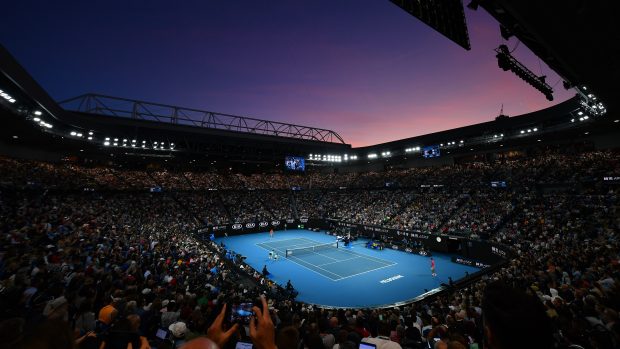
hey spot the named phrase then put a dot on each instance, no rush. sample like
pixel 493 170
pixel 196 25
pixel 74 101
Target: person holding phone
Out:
pixel 262 331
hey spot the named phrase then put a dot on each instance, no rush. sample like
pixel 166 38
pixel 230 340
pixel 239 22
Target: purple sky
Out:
pixel 363 68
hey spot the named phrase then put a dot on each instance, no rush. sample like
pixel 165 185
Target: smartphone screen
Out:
pixel 243 345
pixel 161 333
pixel 241 312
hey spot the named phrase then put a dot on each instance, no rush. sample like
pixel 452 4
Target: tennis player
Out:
pixel 433 267
pixel 271 233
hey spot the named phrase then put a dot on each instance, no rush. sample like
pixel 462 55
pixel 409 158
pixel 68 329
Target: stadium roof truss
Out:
pixel 134 109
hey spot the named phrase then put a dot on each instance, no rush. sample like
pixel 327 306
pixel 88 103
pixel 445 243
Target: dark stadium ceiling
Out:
pixel 578 39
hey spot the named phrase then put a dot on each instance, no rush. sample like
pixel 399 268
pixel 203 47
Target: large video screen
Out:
pixel 294 163
pixel 431 151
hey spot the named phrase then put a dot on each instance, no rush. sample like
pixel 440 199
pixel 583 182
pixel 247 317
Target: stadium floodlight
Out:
pixel 73 133
pixel 461 141
pixel 115 144
pixel 441 145
pixel 90 133
pixel 12 100
pixel 580 113
pixel 36 119
pixel 506 62
pixel 115 139
pixel 372 156
pixel 79 134
pixel 535 129
pixel 107 138
pixel 106 143
pixel 155 143
pixel 529 130
pixel 572 120
pixel 522 132
pixel 124 139
pixel 501 135
pixel 586 117
pixel 38 113
pixel 90 138
pixel 143 142
pixel 133 141
pixel 172 144
pixel 581 119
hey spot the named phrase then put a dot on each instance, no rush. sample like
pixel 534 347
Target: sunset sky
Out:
pixel 363 68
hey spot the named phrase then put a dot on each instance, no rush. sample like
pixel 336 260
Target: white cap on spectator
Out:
pixel 53 305
pixel 178 329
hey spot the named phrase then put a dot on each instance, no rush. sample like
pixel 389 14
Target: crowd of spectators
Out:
pixel 107 268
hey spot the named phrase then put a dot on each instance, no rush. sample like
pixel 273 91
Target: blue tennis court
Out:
pixel 333 263
pixel 354 276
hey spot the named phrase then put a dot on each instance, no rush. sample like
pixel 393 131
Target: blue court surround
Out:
pixel 353 276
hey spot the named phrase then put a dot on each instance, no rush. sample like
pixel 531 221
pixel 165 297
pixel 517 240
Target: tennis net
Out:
pixel 311 249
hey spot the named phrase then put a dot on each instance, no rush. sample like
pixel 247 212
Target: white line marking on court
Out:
pixel 293 260
pixel 367 271
pixel 339 260
pixel 320 254
pixel 364 256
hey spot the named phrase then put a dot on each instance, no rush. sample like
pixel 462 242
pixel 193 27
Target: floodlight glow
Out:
pixel 579 113
pixel 12 100
pixel 501 135
pixel 461 141
pixel 106 143
pixel 572 120
pixel 36 119
pixel 115 139
pixel 522 132
pixel 125 140
pixel 586 117
pixel 107 138
pixel 38 113
pixel 90 133
pixel 79 135
pixel 535 129
pixel 90 138
pixel 143 142
pixel 115 144
pixel 372 156
pixel 73 133
pixel 581 119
